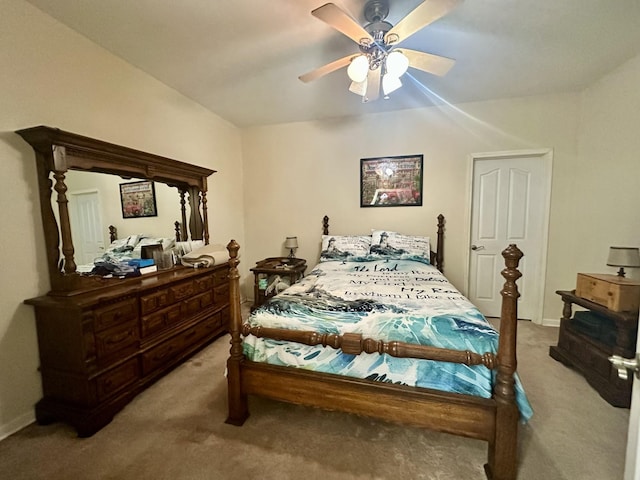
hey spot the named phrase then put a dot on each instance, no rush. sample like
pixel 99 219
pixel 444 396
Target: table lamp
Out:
pixel 623 257
pixel 291 243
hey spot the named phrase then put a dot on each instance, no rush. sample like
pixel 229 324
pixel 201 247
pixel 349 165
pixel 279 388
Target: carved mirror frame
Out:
pixel 58 151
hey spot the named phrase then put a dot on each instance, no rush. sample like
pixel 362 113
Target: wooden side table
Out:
pixel 266 272
pixel 589 353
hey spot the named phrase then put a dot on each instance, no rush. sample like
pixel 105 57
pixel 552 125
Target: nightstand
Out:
pixel 266 271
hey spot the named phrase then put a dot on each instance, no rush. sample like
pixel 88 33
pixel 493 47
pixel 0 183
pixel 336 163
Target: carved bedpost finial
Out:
pixel 325 225
pixel 512 255
pixel 233 248
pixel 113 233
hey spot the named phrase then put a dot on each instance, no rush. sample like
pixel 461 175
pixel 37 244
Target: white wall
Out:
pixel 607 187
pixel 296 173
pixel 53 76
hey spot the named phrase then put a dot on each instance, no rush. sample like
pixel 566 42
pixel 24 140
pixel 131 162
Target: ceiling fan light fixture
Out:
pixel 390 83
pixel 397 64
pixel 358 69
pixel 359 88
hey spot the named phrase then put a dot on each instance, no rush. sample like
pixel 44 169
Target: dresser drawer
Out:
pixel 109 315
pixel 182 290
pixel 161 355
pixel 154 301
pixel 118 339
pixel 221 276
pixel 587 354
pixel 173 347
pixel 616 293
pixel 203 284
pixel 221 294
pixel 195 304
pixel 159 320
pixel 118 378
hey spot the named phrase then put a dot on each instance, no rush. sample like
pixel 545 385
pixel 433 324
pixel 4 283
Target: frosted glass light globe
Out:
pixel 358 68
pixel 397 64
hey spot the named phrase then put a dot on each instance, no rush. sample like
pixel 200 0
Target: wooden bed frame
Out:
pixel 494 420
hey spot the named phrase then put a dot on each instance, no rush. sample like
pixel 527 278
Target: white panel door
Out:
pixel 631 468
pixel 86 226
pixel 510 201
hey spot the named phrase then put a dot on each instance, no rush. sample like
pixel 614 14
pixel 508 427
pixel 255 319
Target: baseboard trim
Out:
pixel 17 424
pixel 550 322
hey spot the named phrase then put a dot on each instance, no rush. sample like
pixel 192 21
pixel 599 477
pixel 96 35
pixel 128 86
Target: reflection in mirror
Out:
pixel 94 205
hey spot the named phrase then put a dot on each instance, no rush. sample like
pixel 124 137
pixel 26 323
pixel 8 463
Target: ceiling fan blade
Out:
pixel 328 68
pixel 373 85
pixel 341 21
pixel 424 14
pixel 427 62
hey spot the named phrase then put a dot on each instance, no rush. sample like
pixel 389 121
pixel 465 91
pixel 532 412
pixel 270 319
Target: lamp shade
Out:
pixel 358 68
pixel 397 64
pixel 359 88
pixel 624 257
pixel 291 242
pixel 390 83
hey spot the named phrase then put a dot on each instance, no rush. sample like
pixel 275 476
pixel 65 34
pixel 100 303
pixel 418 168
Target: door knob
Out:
pixel 623 365
pixel 477 247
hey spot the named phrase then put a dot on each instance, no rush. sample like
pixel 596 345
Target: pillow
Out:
pixel 336 247
pixel 376 234
pixel 400 247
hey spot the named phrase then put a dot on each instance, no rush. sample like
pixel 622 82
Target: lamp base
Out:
pixel 621 272
pixel 292 254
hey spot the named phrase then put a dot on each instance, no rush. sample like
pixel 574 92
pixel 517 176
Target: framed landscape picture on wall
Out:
pixel 138 199
pixel 391 181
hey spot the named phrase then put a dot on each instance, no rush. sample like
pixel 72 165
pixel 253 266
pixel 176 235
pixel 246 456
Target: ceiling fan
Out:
pixel 380 61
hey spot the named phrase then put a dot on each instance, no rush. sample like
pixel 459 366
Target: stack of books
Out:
pixel 144 265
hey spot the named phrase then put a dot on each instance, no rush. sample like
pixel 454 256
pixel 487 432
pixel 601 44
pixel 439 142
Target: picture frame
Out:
pixel 391 181
pixel 138 199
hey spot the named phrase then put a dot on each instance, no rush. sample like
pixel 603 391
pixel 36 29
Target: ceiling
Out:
pixel 241 58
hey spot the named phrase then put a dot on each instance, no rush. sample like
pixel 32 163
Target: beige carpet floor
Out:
pixel 176 430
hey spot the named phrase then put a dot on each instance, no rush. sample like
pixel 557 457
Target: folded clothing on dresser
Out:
pixel 206 256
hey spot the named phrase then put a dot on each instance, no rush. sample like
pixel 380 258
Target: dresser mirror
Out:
pixel 96 213
pixel 72 165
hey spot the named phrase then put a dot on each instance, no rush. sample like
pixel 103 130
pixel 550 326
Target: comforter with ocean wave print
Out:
pixel 393 300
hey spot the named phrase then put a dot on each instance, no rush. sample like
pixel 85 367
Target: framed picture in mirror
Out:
pixel 138 199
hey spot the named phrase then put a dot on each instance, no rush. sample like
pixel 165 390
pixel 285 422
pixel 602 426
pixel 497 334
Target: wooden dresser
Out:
pixel 101 348
pixel 102 340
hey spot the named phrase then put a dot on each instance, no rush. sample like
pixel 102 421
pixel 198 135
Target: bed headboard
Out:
pixel 113 232
pixel 437 257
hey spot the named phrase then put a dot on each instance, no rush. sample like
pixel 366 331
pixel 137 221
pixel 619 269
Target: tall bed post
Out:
pixel 440 244
pixel 502 464
pixel 237 400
